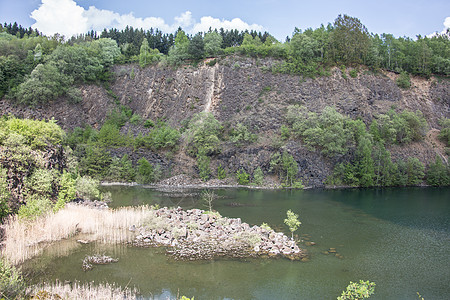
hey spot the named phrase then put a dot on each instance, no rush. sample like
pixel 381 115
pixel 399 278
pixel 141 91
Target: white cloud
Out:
pixel 67 18
pixel 60 16
pixel 446 26
pixel 236 23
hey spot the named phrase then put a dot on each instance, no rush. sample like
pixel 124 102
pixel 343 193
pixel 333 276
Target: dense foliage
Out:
pixel 92 147
pixel 368 163
pixel 36 69
pixel 32 167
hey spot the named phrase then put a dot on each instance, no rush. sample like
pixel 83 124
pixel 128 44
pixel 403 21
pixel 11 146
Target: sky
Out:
pixel 68 17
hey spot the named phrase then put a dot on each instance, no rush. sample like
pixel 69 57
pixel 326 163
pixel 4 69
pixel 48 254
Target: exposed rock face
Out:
pixel 195 234
pixel 241 89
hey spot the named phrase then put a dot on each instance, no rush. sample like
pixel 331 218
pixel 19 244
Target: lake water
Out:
pixel 398 238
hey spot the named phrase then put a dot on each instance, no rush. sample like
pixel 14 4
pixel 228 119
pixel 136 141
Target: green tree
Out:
pixel 203 133
pixel 87 188
pixel 213 43
pixel 438 174
pixel 349 40
pixel 94 161
pixel 444 134
pixel 258 176
pixel 290 168
pixel 144 54
pixel 145 171
pixel 415 170
pixel 76 62
pixel 106 50
pixel 384 168
pixel 243 178
pixel 366 169
pixel 44 84
pixel 292 222
pixel 203 164
pixel 179 51
pixel 67 190
pixel 196 48
pixel 304 47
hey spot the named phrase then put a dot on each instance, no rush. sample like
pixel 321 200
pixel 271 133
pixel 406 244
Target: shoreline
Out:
pixel 250 187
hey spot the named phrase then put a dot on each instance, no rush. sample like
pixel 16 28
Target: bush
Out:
pixel 12 283
pixel 242 177
pixel 87 188
pixel 353 73
pixel 203 162
pixel 74 95
pixel 258 176
pixel 403 80
pixel 203 133
pixel 438 174
pixel 285 132
pixel 212 62
pixel 80 135
pixel 221 173
pixel 37 134
pixel 163 136
pixel 241 134
pixel 67 190
pixel 145 171
pixel 136 119
pixel 444 135
pixel 118 117
pixel 36 206
pixel 40 182
pixel 110 136
pixel 148 123
pixel 94 162
pixel 400 128
pixel 361 290
pixel 4 194
pixel 328 131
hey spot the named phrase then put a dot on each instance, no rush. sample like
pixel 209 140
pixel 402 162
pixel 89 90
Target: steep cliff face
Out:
pixel 239 89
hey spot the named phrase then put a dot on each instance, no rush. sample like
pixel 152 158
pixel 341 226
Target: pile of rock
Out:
pixel 196 234
pixel 179 180
pixel 96 259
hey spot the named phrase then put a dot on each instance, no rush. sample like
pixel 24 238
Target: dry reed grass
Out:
pixel 26 239
pixel 81 291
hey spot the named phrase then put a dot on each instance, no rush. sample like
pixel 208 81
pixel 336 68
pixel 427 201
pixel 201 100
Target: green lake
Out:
pixel 399 238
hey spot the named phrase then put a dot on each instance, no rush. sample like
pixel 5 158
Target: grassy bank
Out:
pixel 81 291
pixel 27 239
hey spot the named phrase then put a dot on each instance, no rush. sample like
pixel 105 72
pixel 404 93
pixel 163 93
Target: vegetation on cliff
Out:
pixel 35 69
pixel 37 174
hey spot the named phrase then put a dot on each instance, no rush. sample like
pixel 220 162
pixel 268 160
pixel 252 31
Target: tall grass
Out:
pixel 81 291
pixel 26 239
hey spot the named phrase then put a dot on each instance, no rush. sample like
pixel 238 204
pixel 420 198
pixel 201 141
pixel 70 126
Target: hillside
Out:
pixel 238 89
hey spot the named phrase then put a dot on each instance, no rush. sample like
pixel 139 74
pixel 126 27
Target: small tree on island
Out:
pixel 292 222
pixel 208 198
pixel 361 290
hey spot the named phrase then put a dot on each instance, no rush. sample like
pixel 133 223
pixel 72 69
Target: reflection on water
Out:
pixel 398 238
